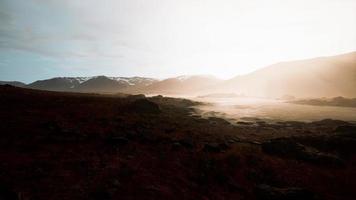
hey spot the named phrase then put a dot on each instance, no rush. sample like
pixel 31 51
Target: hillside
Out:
pixel 182 85
pixel 311 78
pixel 101 84
pixel 13 83
pixel 319 77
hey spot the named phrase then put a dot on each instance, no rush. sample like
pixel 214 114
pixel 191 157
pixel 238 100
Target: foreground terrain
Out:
pixel 88 146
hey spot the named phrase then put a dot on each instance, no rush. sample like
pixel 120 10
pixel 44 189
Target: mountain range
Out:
pixel 318 77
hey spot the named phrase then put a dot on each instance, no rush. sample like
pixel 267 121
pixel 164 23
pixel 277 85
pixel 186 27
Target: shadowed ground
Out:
pixel 88 146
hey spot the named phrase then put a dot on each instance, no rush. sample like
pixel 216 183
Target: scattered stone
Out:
pixel 266 192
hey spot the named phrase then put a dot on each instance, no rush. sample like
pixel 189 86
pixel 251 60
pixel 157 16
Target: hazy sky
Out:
pixel 161 38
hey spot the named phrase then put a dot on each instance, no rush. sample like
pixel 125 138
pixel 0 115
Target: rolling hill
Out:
pixel 319 77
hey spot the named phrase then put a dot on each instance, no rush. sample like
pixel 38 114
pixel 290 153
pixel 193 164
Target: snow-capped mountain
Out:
pixel 91 84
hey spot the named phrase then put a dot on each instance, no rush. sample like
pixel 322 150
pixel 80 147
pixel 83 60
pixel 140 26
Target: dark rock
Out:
pixel 176 146
pixel 101 194
pixel 187 143
pixel 145 106
pixel 330 122
pixel 52 126
pixel 7 194
pixel 261 123
pixel 217 120
pixel 244 123
pixel 346 131
pixel 288 148
pixel 137 96
pixel 117 140
pixel 158 96
pixel 318 157
pixel 266 192
pixel 282 147
pixel 215 147
pixel 186 102
pixel 169 130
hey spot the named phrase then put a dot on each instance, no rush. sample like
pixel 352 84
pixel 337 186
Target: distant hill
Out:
pixel 319 77
pixel 182 85
pixel 311 78
pixel 13 83
pixel 91 84
pixel 56 84
pixel 336 101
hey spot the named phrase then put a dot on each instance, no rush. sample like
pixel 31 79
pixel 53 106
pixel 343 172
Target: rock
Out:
pixel 7 194
pixel 118 140
pixel 52 126
pixel 244 123
pixel 215 147
pixel 346 131
pixel 330 122
pixel 261 123
pixel 315 156
pixel 145 106
pixel 137 96
pixel 216 120
pixel 231 141
pixel 266 192
pixel 187 143
pixel 288 148
pixel 158 96
pixel 176 146
pixel 186 103
pixel 282 147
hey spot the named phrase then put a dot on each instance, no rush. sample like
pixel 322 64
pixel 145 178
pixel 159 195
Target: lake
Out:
pixel 253 109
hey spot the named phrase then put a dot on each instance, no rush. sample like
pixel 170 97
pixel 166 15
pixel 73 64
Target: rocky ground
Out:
pixel 88 146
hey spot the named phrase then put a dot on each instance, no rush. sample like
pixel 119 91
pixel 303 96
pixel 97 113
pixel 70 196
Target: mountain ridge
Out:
pixel 327 76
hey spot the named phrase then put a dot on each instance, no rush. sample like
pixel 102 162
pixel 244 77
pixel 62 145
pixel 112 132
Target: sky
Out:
pixel 40 39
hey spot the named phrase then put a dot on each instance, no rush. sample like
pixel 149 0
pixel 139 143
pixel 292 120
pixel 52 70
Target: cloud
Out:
pixel 167 36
